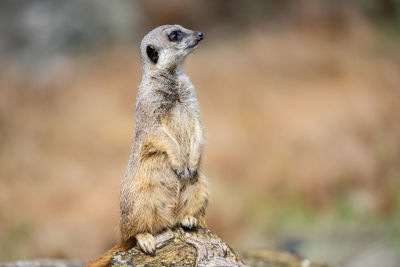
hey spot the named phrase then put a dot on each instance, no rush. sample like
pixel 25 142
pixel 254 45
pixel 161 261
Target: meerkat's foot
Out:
pixel 192 173
pixel 146 243
pixel 189 222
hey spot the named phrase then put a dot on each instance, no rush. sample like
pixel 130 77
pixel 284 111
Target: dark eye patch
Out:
pixel 152 53
pixel 175 36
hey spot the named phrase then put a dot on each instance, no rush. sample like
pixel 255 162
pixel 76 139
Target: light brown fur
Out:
pixel 163 186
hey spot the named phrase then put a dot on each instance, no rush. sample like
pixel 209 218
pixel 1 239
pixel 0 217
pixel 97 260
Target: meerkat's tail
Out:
pixel 105 260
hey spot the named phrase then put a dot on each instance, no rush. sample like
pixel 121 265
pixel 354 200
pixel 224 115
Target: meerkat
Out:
pixel 163 186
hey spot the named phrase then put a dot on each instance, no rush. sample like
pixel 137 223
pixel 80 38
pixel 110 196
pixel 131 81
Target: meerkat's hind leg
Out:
pixel 189 222
pixel 146 243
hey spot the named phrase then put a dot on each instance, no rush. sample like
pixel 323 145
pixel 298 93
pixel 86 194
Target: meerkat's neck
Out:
pixel 171 79
pixel 173 72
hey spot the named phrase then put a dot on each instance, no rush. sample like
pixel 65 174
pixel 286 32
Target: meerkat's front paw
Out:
pixel 179 172
pixel 178 168
pixel 192 172
pixel 146 243
pixel 193 167
pixel 189 222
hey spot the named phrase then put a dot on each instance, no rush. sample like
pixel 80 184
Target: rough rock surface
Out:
pixel 198 247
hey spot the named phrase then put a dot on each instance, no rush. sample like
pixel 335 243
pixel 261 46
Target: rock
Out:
pixel 177 247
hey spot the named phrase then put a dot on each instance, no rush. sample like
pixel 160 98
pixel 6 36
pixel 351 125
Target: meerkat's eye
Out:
pixel 175 36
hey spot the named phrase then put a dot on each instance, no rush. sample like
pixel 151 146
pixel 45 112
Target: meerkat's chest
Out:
pixel 179 124
pixel 182 119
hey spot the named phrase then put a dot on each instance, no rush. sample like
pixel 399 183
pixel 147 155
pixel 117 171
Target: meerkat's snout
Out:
pixel 199 35
pixel 194 40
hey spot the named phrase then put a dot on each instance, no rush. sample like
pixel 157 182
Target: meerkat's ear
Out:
pixel 152 53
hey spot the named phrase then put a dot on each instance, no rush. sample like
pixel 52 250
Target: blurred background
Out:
pixel 299 100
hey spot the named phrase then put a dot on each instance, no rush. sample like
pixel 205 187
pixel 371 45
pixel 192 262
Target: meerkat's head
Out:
pixel 166 46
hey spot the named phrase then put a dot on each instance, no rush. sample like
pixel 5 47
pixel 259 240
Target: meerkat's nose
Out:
pixel 200 35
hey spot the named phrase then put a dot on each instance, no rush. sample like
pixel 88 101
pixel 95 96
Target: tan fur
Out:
pixel 163 186
pixel 105 260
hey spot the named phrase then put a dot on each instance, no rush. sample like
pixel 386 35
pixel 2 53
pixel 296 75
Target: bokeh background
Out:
pixel 300 100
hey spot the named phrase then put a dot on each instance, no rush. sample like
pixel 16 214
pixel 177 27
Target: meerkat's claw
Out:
pixel 192 173
pixel 189 222
pixel 180 173
pixel 146 243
